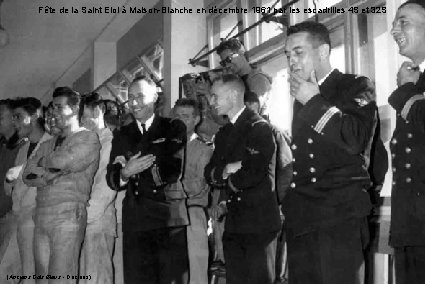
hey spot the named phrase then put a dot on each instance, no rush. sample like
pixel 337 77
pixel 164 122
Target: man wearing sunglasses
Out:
pixel 233 60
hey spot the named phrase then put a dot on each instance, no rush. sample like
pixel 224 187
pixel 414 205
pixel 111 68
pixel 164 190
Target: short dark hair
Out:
pixel 187 102
pixel 93 100
pixel 8 103
pixel 73 97
pixel 233 44
pixel 30 104
pixel 250 97
pixel 417 2
pixel 317 31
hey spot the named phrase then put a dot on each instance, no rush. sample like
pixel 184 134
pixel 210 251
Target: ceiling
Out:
pixel 44 46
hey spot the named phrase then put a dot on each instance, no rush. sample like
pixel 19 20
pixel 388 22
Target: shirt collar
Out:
pixel 325 77
pixel 422 67
pixel 193 137
pixel 148 124
pixel 234 119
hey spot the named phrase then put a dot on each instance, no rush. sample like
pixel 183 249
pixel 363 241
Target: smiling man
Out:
pixel 62 169
pixel 197 155
pixel 333 124
pixel 408 146
pixel 146 160
pixel 28 121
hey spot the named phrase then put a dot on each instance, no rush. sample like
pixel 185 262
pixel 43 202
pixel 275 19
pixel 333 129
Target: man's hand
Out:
pixel 408 73
pixel 230 169
pixel 218 211
pixel 301 89
pixel 137 164
pixel 13 173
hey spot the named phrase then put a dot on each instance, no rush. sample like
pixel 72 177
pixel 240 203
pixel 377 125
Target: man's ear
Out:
pixel 75 109
pixel 197 119
pixel 324 51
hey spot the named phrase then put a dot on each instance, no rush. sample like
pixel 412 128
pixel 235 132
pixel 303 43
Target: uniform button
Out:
pixel 313 179
pixel 155 191
pixel 136 183
pixel 310 141
pixel 407 122
pixel 410 135
pixel 295 173
pixel 238 198
pixel 408 180
pixel 393 156
pixel 311 156
pixel 294 160
pixel 418 194
pixel 292 185
pixel 394 169
pixel 312 170
pixel 407 166
pixel 293 147
pixel 136 192
pixel 229 200
pixel 393 141
pixel 407 150
pixel 393 183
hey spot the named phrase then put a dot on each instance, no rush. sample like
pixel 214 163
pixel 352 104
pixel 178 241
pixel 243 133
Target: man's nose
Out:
pixel 396 28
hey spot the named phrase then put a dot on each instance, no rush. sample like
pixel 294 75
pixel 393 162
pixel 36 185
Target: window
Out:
pixel 150 63
pixel 272 28
pixel 372 34
pixel 337 55
pixel 221 26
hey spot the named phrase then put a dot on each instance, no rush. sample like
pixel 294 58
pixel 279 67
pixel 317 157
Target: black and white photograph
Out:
pixel 212 141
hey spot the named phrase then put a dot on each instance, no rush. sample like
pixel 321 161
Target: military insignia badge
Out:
pixel 252 151
pixel 159 140
pixel 361 102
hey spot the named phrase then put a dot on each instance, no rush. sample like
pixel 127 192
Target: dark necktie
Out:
pixel 143 128
pixel 59 141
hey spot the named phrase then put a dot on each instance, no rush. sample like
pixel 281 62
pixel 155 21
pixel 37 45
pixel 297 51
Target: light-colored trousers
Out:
pixel 96 257
pixel 58 235
pixel 118 256
pixel 198 248
pixel 25 236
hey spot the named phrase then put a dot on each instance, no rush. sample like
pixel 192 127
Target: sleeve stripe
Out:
pixel 325 118
pixel 409 104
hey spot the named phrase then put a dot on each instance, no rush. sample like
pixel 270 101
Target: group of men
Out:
pixel 335 162
pixel 63 176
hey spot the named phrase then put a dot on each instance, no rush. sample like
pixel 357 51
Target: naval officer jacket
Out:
pixel 251 198
pixel 331 135
pixel 154 198
pixel 408 165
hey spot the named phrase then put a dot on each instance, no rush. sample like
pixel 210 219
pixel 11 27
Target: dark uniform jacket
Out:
pixel 154 198
pixel 331 134
pixel 408 165
pixel 253 208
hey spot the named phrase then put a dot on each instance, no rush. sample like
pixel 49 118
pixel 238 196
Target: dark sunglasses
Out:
pixel 227 60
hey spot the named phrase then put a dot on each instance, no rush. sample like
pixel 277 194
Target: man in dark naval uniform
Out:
pixel 147 160
pixel 333 124
pixel 245 162
pixel 407 235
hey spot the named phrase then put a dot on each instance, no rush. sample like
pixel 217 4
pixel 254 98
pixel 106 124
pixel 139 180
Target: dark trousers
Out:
pixel 410 265
pixel 250 258
pixel 155 257
pixel 329 255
